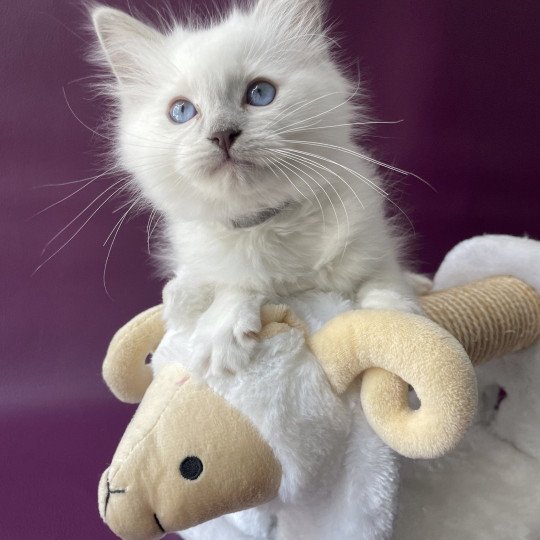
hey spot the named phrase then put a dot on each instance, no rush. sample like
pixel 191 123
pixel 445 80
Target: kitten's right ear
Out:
pixel 306 15
pixel 126 42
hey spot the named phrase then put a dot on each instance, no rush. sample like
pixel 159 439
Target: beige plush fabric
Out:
pixel 180 418
pixel 408 348
pixel 124 369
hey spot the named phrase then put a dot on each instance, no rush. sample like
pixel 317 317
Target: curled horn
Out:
pixel 124 369
pixel 388 348
pixel 490 318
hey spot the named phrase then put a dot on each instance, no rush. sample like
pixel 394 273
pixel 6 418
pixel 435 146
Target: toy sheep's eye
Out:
pixel 191 468
pixel 182 111
pixel 260 93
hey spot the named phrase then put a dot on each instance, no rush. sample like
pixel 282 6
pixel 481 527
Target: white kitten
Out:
pixel 241 135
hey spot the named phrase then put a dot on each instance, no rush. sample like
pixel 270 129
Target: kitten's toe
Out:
pixel 246 330
pixel 224 355
pixel 229 359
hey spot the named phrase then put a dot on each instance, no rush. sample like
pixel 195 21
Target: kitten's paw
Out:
pixel 419 283
pixel 224 346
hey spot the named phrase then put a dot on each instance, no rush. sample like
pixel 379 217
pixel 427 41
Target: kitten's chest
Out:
pixel 266 260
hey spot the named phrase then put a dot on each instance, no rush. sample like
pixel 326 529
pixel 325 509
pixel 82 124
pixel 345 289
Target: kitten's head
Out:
pixel 206 114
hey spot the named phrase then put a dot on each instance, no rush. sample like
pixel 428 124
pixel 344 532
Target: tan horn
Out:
pixel 491 317
pixel 124 369
pixel 388 348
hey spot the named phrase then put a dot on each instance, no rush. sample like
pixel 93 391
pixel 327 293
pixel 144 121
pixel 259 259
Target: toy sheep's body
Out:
pixel 290 438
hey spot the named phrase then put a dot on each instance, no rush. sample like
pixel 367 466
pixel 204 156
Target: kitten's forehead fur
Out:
pixel 177 167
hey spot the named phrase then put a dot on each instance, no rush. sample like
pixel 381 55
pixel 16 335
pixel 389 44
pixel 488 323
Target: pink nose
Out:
pixel 225 139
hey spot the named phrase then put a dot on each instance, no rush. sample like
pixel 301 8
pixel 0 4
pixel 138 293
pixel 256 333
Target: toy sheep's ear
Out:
pixel 388 348
pixel 127 43
pixel 124 369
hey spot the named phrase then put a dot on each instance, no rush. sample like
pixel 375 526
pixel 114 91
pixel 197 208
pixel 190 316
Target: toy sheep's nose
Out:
pixel 127 516
pixel 108 496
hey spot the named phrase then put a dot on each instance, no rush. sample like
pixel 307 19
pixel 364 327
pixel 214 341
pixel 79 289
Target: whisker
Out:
pixel 72 182
pixel 148 227
pixel 346 244
pixel 303 161
pixel 287 166
pixel 110 139
pixel 366 158
pixel 118 226
pixel 290 181
pixel 364 179
pixel 304 105
pixel 77 231
pixel 104 192
pixel 329 170
pixel 350 98
pixel 300 129
pixel 90 181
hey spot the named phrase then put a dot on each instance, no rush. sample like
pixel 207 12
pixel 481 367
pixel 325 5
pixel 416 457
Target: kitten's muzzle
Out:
pixel 225 139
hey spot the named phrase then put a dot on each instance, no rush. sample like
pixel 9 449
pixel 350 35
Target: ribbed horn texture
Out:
pixel 491 317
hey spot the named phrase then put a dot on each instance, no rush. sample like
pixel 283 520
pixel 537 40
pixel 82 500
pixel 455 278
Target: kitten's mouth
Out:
pixel 230 164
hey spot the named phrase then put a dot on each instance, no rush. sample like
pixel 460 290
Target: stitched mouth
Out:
pixel 159 524
pixel 108 497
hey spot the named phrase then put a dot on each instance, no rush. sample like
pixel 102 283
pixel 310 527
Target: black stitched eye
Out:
pixel 191 468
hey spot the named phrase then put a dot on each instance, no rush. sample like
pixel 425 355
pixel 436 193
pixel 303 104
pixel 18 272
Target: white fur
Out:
pixel 300 151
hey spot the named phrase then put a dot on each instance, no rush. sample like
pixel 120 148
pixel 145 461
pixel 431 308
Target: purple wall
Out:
pixel 463 77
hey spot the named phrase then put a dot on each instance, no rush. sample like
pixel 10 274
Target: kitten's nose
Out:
pixel 225 139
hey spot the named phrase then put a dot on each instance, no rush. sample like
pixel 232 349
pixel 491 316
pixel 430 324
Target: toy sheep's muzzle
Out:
pixel 178 465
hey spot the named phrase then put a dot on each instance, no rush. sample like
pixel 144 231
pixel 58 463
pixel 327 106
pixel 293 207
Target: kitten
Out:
pixel 241 135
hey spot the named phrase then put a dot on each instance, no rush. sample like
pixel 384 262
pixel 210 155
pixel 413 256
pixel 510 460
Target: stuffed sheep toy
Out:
pixel 304 443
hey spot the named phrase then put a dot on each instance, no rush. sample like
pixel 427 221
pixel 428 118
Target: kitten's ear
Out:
pixel 126 42
pixel 305 15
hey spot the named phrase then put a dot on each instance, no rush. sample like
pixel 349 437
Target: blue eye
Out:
pixel 182 111
pixel 260 93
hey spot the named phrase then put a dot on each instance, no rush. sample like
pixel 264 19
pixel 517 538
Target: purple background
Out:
pixel 460 74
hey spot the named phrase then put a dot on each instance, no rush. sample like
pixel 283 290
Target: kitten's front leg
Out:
pixel 226 333
pixel 185 301
pixel 396 290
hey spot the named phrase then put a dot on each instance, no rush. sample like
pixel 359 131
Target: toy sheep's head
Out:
pixel 192 453
pixel 187 457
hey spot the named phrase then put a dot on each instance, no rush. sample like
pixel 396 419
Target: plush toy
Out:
pixel 488 488
pixel 287 438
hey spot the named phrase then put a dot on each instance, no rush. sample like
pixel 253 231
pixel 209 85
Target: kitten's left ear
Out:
pixel 305 15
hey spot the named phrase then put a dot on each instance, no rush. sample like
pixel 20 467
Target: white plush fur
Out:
pixel 297 153
pixel 340 482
